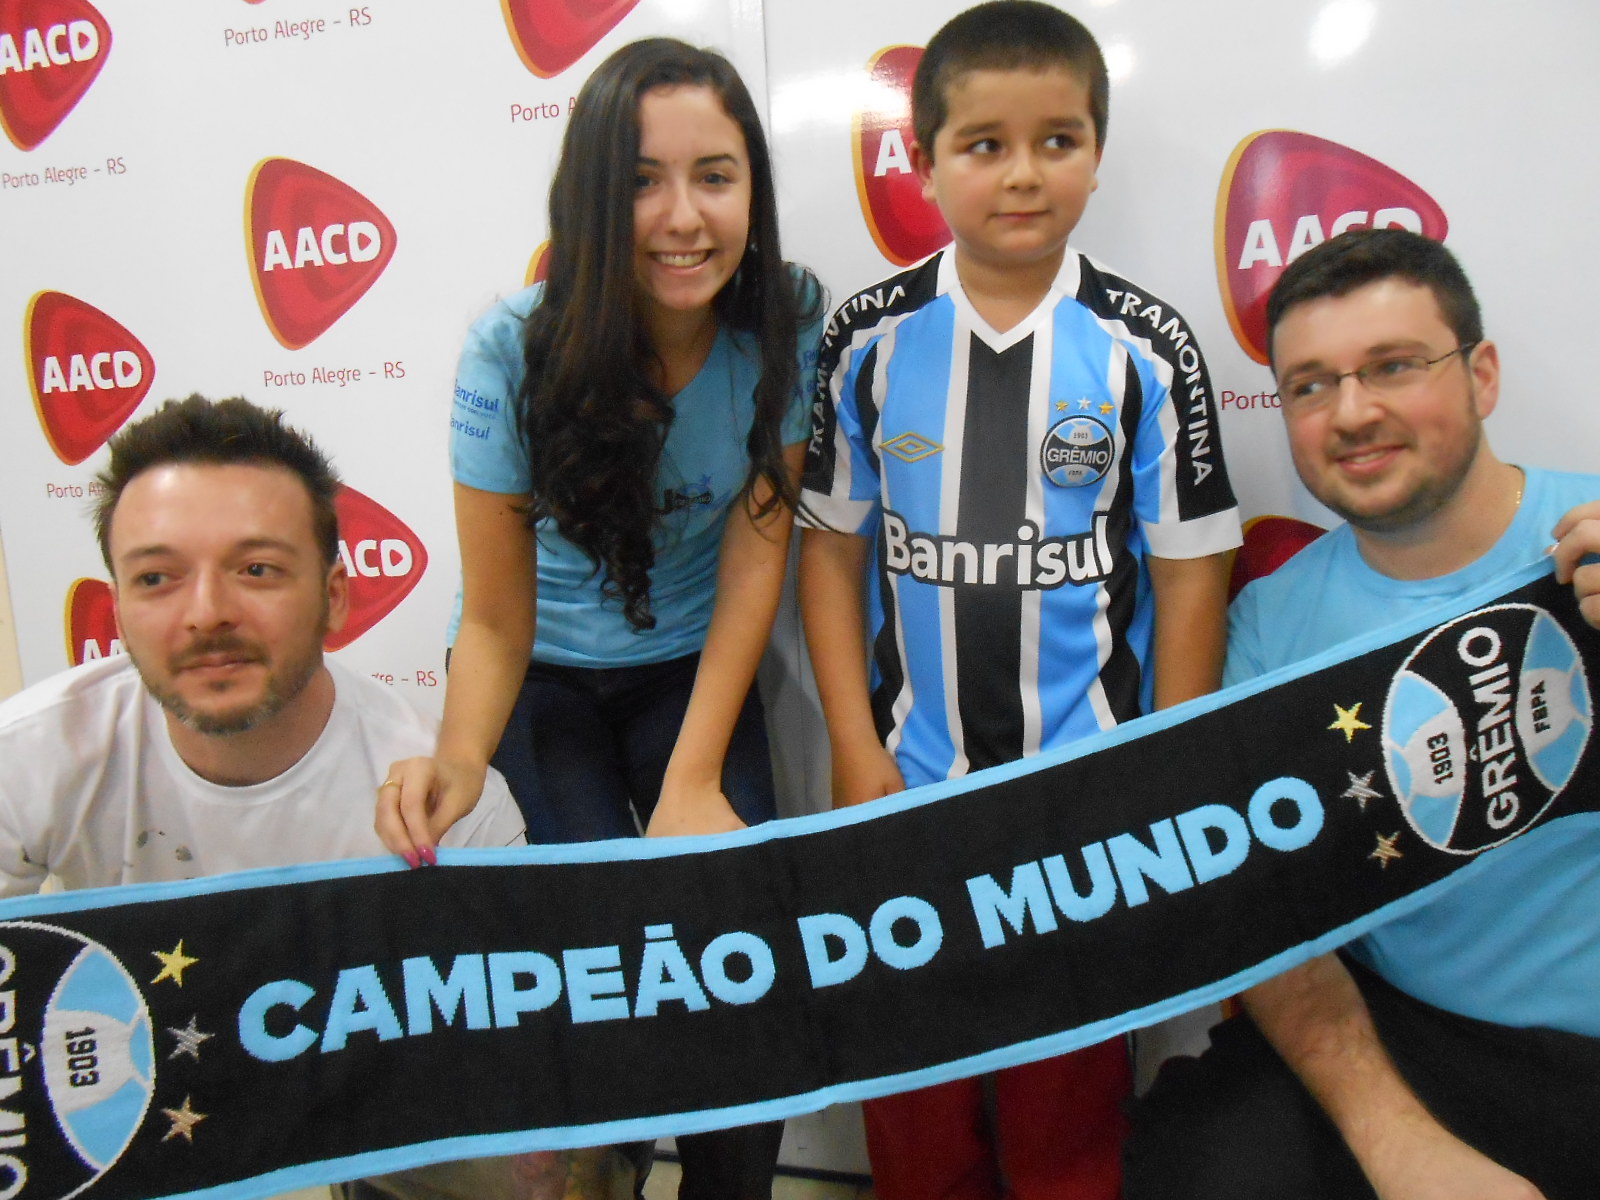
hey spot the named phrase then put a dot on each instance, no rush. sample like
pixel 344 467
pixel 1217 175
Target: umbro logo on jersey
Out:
pixel 50 52
pixel 912 447
pixel 1027 563
pixel 1284 192
pixel 551 35
pixel 1077 452
pixel 905 226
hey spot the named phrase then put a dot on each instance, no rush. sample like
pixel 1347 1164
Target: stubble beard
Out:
pixel 282 687
pixel 1432 494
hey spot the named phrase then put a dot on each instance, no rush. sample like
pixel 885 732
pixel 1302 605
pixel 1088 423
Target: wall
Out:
pixel 10 668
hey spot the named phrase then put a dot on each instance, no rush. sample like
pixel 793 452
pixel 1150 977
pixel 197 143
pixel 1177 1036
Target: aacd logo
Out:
pixel 1284 192
pixel 905 226
pixel 1269 542
pixel 316 246
pixel 91 622
pixel 1484 725
pixel 88 373
pixel 383 558
pixel 538 265
pixel 551 35
pixel 50 52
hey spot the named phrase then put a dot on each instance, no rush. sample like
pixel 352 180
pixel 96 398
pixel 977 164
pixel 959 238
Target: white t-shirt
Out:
pixel 92 791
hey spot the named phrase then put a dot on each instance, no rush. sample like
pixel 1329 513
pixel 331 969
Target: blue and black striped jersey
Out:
pixel 1014 483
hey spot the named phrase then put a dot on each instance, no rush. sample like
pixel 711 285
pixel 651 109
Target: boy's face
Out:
pixel 1013 165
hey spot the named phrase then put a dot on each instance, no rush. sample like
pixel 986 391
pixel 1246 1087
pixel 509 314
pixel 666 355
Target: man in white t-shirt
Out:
pixel 222 739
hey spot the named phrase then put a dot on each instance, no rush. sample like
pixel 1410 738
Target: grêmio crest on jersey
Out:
pixel 1077 451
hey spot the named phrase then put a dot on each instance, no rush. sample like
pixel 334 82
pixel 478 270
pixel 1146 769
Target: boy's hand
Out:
pixel 864 773
pixel 683 811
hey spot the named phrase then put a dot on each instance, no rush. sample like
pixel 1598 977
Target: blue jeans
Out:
pixel 584 753
pixel 586 748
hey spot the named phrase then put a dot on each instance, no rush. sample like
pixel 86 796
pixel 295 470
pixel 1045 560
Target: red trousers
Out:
pixel 1054 1133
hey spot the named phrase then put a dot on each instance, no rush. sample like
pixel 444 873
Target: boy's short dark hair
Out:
pixel 1358 257
pixel 218 433
pixel 1005 35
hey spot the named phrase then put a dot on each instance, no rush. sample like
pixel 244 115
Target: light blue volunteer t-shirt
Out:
pixel 1517 941
pixel 704 464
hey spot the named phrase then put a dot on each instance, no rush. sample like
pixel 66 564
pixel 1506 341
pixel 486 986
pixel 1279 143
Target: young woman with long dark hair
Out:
pixel 626 441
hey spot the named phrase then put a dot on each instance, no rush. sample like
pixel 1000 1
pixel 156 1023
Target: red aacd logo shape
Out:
pixel 384 560
pixel 551 35
pixel 50 52
pixel 88 373
pixel 316 246
pixel 91 622
pixel 1269 542
pixel 905 226
pixel 1284 192
pixel 538 265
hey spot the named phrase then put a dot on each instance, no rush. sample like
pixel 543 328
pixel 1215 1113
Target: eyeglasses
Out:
pixel 1390 375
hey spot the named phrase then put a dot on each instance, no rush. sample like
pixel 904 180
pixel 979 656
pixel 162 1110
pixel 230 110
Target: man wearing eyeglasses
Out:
pixel 1453 1053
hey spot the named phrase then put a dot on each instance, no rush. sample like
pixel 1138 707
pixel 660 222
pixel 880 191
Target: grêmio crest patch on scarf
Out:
pixel 241 1035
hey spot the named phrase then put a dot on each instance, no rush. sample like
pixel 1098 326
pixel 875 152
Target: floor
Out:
pixel 663 1185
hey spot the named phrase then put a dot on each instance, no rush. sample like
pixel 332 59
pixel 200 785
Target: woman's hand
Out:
pixel 420 799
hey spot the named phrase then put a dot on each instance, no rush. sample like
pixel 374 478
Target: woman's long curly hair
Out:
pixel 593 419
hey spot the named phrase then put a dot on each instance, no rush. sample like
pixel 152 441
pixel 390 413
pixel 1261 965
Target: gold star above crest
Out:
pixel 173 964
pixel 1061 406
pixel 1107 407
pixel 183 1122
pixel 1386 849
pixel 1349 720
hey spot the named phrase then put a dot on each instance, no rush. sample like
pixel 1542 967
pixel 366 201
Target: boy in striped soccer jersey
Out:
pixel 1024 447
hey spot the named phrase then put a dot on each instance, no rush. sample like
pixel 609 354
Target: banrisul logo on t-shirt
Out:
pixel 316 246
pixel 1284 192
pixel 91 622
pixel 383 558
pixel 50 52
pixel 1484 725
pixel 551 35
pixel 88 373
pixel 905 226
